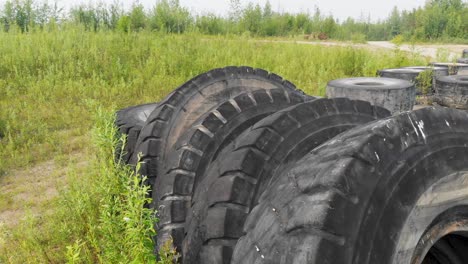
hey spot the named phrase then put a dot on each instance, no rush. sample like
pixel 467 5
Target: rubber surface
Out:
pixel 462 60
pixel 180 109
pixel 452 91
pixel 348 200
pixel 453 68
pixel 130 121
pixel 245 168
pixel 435 72
pixel 408 74
pixel 195 149
pixel 438 71
pixel 392 94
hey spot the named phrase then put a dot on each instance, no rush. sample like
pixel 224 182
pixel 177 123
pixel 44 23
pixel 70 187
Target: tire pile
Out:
pixel 246 168
pixel 443 83
pixel 464 58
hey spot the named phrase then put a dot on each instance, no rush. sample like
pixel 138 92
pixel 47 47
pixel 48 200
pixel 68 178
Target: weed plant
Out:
pixel 50 81
pixel 99 216
pixel 58 91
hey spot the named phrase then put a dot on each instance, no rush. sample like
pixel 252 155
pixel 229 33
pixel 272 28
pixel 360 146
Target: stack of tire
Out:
pixel 464 58
pixel 395 89
pixel 246 168
pixel 452 91
pixel 413 74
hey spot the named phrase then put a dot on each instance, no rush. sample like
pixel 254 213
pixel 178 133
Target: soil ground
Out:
pixel 427 50
pixel 29 191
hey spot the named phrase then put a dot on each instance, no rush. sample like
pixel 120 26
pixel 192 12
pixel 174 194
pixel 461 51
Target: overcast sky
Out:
pixel 340 9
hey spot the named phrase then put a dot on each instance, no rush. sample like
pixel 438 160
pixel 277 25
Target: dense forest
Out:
pixel 437 20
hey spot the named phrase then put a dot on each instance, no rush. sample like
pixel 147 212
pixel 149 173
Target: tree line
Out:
pixel 444 20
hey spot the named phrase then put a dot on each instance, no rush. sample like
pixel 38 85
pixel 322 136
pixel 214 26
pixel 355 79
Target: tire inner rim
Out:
pixel 436 230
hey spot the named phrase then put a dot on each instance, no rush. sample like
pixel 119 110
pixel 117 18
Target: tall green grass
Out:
pixel 58 91
pixel 99 216
pixel 49 80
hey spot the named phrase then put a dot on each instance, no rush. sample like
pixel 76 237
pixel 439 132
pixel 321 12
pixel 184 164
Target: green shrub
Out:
pixel 358 38
pixel 99 215
pixel 398 40
pixel 424 81
pixel 56 104
pixel 3 128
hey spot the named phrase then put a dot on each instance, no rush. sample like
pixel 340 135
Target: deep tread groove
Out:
pixel 130 121
pixel 205 130
pixel 219 116
pixel 317 231
pixel 271 97
pixel 233 206
pixel 305 121
pixel 240 174
pixel 175 119
pixel 236 106
pixel 357 196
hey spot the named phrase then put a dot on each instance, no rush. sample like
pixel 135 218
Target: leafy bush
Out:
pixel 99 215
pixel 3 128
pixel 358 38
pixel 398 40
pixel 424 81
pixel 436 20
pixel 51 101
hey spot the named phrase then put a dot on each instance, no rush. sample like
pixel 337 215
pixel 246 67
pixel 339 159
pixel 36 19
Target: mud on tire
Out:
pixel 371 195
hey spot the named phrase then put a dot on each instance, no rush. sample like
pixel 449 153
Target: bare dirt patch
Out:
pixel 32 190
pixel 426 50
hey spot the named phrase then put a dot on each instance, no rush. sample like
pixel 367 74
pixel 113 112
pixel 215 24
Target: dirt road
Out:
pixel 427 50
pixel 453 51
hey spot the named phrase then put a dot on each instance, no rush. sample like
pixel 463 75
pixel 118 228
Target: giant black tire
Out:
pixel 180 109
pixel 453 68
pixel 437 71
pixel 462 60
pixel 392 94
pixel 452 91
pixel 130 121
pixel 195 149
pixel 375 194
pixel 409 74
pixel 244 169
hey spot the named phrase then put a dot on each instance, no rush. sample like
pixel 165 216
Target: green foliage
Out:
pixel 398 40
pixel 424 81
pixel 3 128
pixel 168 16
pixel 443 55
pixel 99 215
pixel 437 20
pixel 358 38
pixel 38 83
pixel 123 24
pixel 51 100
pixel 137 18
pixel 211 25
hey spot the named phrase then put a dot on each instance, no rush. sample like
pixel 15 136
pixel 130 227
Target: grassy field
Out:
pixel 61 197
